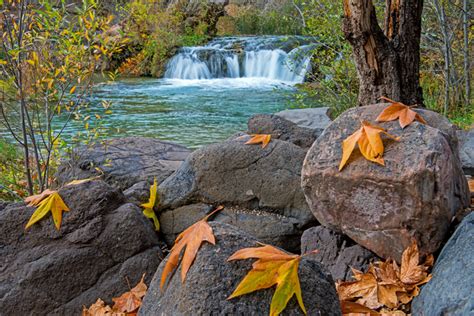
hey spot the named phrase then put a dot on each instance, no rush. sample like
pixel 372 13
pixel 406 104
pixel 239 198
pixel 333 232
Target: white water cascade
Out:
pixel 274 58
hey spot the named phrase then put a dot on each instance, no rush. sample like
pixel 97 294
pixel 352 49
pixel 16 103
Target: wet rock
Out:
pixel 101 241
pixel 416 194
pixel 450 290
pixel 466 150
pixel 336 252
pixel 124 161
pixel 248 176
pixel 268 227
pixel 315 118
pixel 211 279
pixel 282 129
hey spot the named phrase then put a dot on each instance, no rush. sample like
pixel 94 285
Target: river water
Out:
pixel 208 92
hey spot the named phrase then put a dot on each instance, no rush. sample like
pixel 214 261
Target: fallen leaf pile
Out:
pixel 369 141
pixel 126 304
pixel 148 207
pixel 273 267
pixel 190 240
pixel 400 111
pixel 385 286
pixel 263 139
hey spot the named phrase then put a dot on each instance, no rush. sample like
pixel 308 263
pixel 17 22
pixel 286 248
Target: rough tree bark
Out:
pixel 387 61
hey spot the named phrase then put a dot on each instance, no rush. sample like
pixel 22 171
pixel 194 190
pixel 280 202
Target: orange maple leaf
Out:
pixel 130 301
pixel 369 141
pixel 273 267
pixel 190 240
pixel 263 139
pixel 400 111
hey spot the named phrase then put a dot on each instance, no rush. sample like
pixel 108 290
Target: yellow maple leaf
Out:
pixel 369 141
pixel 148 206
pixel 190 241
pixel 54 204
pixel 263 139
pixel 273 267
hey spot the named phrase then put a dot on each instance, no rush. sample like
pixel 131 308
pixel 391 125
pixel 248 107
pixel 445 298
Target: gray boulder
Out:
pixel 271 228
pixel 466 150
pixel 124 161
pixel 247 176
pixel 314 118
pixel 450 291
pixel 282 129
pixel 416 193
pixel 211 279
pixel 102 243
pixel 336 252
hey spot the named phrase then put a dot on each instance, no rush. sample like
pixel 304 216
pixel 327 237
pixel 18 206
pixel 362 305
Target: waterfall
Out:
pixel 274 58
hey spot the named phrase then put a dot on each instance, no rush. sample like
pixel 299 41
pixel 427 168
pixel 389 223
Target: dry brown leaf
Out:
pixel 97 309
pixel 263 139
pixel 410 271
pixel 125 305
pixel 34 200
pixel 354 309
pixel 369 141
pixel 190 240
pixel 400 111
pixel 132 300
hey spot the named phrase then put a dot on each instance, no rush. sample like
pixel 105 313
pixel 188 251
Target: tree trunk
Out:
pixel 467 62
pixel 388 61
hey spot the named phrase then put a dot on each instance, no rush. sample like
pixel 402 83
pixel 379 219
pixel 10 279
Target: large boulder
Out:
pixel 247 176
pixel 272 228
pixel 211 279
pixel 314 118
pixel 416 193
pixel 466 150
pixel 124 161
pixel 336 252
pixel 283 129
pixel 102 243
pixel 450 290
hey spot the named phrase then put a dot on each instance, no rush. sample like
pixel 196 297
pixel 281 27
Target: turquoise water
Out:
pixel 189 112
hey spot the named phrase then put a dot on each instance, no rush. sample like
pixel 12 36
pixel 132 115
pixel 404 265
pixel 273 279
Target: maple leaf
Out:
pixel 132 300
pixel 369 141
pixel 190 240
pixel 273 267
pixel 52 203
pixel 410 271
pixel 400 111
pixel 264 139
pixel 148 207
